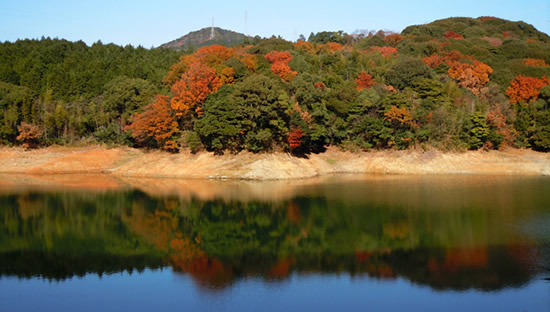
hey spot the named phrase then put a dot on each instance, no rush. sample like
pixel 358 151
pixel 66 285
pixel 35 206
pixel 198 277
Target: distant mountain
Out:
pixel 204 37
pixel 485 26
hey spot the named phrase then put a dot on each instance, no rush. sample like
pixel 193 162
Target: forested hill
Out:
pixel 203 37
pixel 456 83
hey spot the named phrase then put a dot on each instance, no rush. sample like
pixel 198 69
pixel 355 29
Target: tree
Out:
pixel 279 65
pixel 363 81
pixel 158 123
pixel 295 138
pixel 471 76
pixel 526 89
pixel 193 88
pixel 29 135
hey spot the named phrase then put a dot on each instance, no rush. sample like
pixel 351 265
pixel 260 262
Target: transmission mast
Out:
pixel 212 29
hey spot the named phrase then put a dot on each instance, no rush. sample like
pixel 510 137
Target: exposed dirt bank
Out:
pixel 127 162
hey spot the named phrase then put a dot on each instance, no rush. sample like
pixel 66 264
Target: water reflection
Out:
pixel 458 233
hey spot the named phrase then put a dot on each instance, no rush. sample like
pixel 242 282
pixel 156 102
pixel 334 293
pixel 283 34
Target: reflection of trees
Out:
pixel 217 242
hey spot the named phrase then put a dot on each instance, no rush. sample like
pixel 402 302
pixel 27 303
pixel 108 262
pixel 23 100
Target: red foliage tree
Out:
pixel 526 89
pixel 319 85
pixel 363 81
pixel 386 52
pixel 156 122
pixel 295 138
pixel 193 88
pixel 452 35
pixel 278 57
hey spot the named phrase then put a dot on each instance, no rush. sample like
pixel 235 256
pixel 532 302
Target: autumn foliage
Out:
pixel 453 35
pixel 386 52
pixel 526 89
pixel 393 39
pixel 157 122
pixel 471 76
pixel 193 88
pixel 279 65
pixel 401 115
pixel 363 81
pixel 305 46
pixel 29 135
pixel 295 138
pixel 534 62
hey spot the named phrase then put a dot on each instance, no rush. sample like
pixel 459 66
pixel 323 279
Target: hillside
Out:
pixel 455 84
pixel 204 37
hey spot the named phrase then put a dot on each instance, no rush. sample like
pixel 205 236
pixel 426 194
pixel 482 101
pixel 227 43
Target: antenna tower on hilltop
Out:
pixel 212 29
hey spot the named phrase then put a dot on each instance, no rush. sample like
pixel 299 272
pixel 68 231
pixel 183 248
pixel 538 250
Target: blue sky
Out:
pixel 151 23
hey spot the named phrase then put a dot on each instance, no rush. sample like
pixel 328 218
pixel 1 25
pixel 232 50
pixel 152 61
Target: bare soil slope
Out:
pixel 136 163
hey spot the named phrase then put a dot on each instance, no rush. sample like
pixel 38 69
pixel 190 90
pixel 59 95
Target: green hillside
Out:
pixel 454 84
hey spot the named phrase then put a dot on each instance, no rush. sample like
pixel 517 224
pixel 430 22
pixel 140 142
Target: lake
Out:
pixel 392 243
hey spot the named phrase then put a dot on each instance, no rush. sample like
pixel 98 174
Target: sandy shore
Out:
pixel 128 162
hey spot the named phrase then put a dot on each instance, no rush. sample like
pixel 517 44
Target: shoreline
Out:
pixel 129 162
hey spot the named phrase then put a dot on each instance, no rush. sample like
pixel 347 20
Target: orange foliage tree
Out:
pixel 156 122
pixel 452 35
pixel 305 46
pixel 393 39
pixel 279 65
pixel 386 52
pixel 29 135
pixel 193 88
pixel 401 115
pixel 471 76
pixel 331 47
pixel 535 62
pixel 363 81
pixel 526 89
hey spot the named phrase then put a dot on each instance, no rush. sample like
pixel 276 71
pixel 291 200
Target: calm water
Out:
pixel 450 243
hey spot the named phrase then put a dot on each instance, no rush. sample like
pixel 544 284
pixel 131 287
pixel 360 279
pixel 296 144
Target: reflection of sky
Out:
pixel 161 290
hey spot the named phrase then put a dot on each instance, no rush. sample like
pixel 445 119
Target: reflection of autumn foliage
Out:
pixel 156 227
pixel 157 122
pixel 526 89
pixel 381 270
pixel 281 269
pixel 398 230
pixel 294 215
pixel 363 81
pixel 459 258
pixel 29 208
pixel 362 255
pixel 279 65
pixel 185 256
